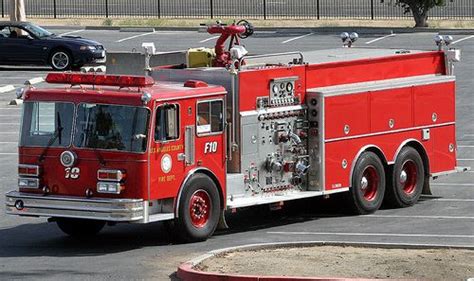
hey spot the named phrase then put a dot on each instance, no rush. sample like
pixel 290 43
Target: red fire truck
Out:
pixel 188 142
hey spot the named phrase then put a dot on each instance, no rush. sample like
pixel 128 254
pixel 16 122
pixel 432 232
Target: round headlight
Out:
pixel 68 158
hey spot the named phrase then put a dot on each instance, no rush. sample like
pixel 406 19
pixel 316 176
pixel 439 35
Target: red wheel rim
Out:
pixel 369 183
pixel 408 177
pixel 199 208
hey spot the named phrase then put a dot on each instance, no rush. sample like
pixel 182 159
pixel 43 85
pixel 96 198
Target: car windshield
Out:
pixel 47 124
pixel 37 31
pixel 111 127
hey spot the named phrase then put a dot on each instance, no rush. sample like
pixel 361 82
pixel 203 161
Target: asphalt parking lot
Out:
pixel 32 248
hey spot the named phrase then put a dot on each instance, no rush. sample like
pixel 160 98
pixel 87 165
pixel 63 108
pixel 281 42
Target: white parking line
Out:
pixel 465 146
pixel 462 39
pixel 8 153
pixel 297 38
pixel 209 39
pixel 452 200
pixel 136 36
pixel 7 88
pixel 9 123
pixel 465 159
pixel 420 217
pixel 380 38
pixel 71 32
pixel 453 184
pixel 8 142
pixel 372 234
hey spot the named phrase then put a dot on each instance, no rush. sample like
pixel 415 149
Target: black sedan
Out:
pixel 24 43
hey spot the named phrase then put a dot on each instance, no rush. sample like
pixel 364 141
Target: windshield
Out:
pixel 47 123
pixel 111 127
pixel 37 31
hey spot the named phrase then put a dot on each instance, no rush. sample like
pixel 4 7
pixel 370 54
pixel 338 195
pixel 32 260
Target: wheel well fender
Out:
pixel 420 148
pixel 203 171
pixel 372 148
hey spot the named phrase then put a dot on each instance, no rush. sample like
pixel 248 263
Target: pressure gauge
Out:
pixel 289 87
pixel 275 89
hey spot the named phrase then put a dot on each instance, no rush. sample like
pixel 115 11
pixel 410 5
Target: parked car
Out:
pixel 24 43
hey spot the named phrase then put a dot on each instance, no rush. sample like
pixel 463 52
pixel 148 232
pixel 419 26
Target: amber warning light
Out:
pixel 100 79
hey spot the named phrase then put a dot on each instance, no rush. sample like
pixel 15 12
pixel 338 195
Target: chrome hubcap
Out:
pixel 403 177
pixel 364 183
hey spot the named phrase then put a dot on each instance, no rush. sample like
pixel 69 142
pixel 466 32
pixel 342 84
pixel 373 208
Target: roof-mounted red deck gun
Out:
pixel 241 29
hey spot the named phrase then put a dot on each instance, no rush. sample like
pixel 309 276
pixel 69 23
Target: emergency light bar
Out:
pixel 100 79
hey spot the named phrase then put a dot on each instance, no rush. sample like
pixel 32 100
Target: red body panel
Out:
pixel 328 74
pixel 438 99
pixel 256 83
pixel 351 110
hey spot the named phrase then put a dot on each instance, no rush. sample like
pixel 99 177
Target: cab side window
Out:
pixel 167 122
pixel 210 117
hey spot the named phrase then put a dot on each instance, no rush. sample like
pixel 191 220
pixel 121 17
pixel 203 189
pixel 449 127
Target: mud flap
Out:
pixel 222 222
pixel 426 186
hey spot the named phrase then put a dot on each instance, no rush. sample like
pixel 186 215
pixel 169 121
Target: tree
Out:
pixel 418 8
pixel 17 10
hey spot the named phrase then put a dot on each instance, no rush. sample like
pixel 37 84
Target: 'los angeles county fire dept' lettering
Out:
pixel 168 148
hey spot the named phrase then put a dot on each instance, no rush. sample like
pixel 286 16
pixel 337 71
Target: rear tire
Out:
pixel 368 184
pixel 80 228
pixel 406 183
pixel 199 209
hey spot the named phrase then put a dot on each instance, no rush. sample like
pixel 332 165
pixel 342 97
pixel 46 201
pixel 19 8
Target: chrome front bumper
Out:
pixel 117 210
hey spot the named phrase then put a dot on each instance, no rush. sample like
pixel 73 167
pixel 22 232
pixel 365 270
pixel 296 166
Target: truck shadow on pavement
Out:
pixel 45 239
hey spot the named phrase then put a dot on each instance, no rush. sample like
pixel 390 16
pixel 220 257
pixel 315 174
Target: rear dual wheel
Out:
pixel 368 184
pixel 408 175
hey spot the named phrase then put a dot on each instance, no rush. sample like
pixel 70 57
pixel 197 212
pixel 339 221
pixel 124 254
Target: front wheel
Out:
pixel 60 60
pixel 407 179
pixel 368 184
pixel 80 228
pixel 199 209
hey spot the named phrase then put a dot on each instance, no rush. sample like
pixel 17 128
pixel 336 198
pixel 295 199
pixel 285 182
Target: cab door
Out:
pixel 167 165
pixel 210 143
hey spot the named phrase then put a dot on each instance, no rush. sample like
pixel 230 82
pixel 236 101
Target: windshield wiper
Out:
pixel 56 135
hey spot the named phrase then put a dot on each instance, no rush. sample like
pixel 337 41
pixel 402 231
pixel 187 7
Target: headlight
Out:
pixel 85 48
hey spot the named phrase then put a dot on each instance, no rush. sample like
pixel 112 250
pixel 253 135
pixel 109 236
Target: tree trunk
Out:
pixel 17 10
pixel 421 19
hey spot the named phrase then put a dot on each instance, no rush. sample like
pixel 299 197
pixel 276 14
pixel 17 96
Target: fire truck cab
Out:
pixel 187 143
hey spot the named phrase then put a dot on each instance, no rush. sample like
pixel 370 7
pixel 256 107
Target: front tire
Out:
pixel 60 60
pixel 408 175
pixel 368 184
pixel 80 228
pixel 199 209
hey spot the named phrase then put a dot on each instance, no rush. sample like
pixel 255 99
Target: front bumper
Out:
pixel 116 210
pixel 93 57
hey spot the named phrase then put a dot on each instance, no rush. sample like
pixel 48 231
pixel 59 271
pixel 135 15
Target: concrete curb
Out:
pixel 137 29
pixel 7 88
pixel 187 271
